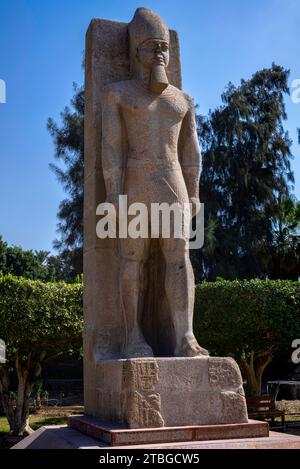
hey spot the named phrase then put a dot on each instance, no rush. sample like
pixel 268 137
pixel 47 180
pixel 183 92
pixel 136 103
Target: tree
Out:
pixel 285 258
pixel 40 265
pixel 38 321
pixel 69 143
pixel 253 321
pixel 246 164
pixel 67 265
pixel 19 262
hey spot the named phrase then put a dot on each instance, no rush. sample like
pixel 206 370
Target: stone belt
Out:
pixel 133 163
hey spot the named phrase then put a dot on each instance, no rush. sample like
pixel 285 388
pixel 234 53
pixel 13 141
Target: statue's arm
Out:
pixel 189 153
pixel 112 155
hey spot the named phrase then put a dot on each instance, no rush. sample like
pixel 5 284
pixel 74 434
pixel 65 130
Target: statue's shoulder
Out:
pixel 190 101
pixel 116 90
pixel 184 96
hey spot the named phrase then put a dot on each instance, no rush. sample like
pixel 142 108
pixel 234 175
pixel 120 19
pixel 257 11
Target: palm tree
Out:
pixel 286 240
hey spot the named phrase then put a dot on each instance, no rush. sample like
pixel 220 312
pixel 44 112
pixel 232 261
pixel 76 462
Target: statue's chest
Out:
pixel 165 106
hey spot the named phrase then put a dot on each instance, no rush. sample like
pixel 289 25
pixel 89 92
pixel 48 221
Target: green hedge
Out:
pixel 237 317
pixel 34 312
pixel 231 317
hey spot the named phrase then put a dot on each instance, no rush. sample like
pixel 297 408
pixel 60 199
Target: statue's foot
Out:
pixel 137 347
pixel 190 348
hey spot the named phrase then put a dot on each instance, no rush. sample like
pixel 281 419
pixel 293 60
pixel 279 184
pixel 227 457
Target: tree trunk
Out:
pixel 5 395
pixel 254 368
pixel 17 410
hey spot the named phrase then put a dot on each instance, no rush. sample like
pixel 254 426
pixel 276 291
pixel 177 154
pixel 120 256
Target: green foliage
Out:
pixel 67 265
pixel 39 317
pixel 40 265
pixel 17 261
pixel 238 318
pixel 69 144
pixel 285 259
pixel 38 321
pixel 36 421
pixel 4 426
pixel 246 164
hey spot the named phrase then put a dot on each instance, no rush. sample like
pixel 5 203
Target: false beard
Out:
pixel 159 80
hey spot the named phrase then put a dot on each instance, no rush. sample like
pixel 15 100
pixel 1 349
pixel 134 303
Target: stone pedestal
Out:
pixel 166 392
pixel 62 437
pixel 115 435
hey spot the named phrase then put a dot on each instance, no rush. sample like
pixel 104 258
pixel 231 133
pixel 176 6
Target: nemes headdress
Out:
pixel 146 25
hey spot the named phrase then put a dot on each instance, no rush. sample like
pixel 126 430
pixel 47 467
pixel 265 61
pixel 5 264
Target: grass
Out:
pixel 288 418
pixel 36 421
pixel 4 427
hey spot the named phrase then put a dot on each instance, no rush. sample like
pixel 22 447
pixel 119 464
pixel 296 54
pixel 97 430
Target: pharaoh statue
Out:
pixel 150 152
pixel 143 366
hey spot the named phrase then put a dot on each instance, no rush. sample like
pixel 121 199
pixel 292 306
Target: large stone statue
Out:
pixel 146 379
pixel 142 364
pixel 150 152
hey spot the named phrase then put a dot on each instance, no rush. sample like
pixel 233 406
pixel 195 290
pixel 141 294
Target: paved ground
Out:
pixel 62 437
pixel 294 431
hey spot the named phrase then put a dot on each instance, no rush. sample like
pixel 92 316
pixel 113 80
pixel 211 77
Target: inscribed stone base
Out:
pixel 166 392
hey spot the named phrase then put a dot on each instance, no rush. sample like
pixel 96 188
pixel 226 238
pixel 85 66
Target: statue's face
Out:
pixel 153 52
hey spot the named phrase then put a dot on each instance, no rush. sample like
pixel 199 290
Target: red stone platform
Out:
pixel 63 437
pixel 116 435
pixel 275 440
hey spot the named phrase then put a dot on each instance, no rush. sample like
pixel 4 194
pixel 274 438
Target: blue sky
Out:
pixel 41 50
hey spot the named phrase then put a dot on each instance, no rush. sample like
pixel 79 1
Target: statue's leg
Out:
pixel 180 288
pixel 133 253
